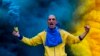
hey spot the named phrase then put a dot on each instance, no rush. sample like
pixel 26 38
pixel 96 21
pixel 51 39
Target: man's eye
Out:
pixel 53 19
pixel 49 19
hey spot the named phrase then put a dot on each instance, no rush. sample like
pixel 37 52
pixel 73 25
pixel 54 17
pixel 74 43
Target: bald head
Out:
pixel 52 16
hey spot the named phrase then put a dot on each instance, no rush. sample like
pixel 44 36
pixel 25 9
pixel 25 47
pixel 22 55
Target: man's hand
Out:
pixel 15 33
pixel 87 28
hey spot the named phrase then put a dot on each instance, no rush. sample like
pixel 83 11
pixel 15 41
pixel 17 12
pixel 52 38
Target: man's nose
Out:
pixel 51 20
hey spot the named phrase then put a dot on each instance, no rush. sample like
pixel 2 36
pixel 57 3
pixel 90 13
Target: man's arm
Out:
pixel 30 41
pixel 71 39
pixel 34 41
pixel 87 28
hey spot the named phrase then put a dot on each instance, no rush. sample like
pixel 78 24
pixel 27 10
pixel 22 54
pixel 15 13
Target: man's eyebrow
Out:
pixel 53 18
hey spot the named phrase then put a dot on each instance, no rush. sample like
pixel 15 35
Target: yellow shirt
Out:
pixel 59 50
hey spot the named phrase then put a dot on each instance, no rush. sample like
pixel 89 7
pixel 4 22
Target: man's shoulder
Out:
pixel 42 32
pixel 63 31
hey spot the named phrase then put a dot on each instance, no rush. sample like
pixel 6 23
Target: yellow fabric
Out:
pixel 59 50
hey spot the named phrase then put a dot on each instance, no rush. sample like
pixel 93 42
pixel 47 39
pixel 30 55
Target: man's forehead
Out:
pixel 52 16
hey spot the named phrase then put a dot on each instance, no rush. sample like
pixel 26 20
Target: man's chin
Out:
pixel 52 27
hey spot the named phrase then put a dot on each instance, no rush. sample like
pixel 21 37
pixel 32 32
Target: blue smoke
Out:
pixel 31 16
pixel 34 15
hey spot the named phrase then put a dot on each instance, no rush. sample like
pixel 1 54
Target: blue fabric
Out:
pixel 53 37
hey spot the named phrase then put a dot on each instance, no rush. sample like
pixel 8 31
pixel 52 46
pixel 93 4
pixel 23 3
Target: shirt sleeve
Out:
pixel 33 41
pixel 71 39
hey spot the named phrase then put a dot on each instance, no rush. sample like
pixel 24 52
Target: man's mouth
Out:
pixel 51 23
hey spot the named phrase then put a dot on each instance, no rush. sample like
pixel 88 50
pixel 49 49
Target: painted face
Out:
pixel 52 21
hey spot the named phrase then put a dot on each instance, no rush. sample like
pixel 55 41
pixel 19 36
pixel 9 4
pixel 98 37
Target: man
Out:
pixel 53 39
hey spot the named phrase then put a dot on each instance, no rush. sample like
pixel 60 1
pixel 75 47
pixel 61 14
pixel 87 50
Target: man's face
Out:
pixel 52 21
